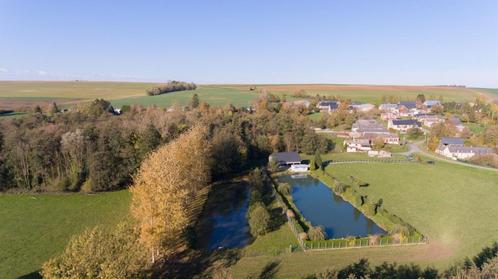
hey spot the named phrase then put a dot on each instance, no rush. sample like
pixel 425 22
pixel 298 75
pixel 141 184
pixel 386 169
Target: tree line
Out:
pixel 171 86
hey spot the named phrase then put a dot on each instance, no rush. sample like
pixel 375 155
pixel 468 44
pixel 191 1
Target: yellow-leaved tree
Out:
pixel 165 183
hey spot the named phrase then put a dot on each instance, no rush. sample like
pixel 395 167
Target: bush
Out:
pixel 317 233
pixel 284 188
pixel 100 253
pixel 259 219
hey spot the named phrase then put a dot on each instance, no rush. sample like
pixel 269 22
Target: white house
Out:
pixel 461 152
pixel 299 168
pixel 379 154
pixel 362 107
pixel 389 107
pixel 429 120
pixel 357 145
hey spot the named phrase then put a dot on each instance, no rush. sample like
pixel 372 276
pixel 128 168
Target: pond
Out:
pixel 225 224
pixel 319 205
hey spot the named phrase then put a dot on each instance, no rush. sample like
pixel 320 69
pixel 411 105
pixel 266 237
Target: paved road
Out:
pixel 415 148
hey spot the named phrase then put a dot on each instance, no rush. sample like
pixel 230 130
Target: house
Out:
pixel 431 103
pixel 389 107
pixel 117 111
pixel 298 103
pixel 458 124
pixel 370 129
pixel 299 168
pixel 389 115
pixel 407 109
pixel 328 105
pixel 428 120
pixel 454 141
pixel 357 145
pixel 361 107
pixel 285 158
pixel 461 152
pixel 403 125
pixel 407 105
pixel 379 154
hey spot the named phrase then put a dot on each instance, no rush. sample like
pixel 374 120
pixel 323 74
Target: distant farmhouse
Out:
pixel 455 149
pixel 328 105
pixel 285 158
pixel 431 103
pixel 429 120
pixel 403 125
pixel 364 132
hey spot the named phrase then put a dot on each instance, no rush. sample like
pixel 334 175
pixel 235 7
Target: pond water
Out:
pixel 319 205
pixel 225 224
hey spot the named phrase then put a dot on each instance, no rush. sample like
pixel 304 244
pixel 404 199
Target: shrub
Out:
pixel 284 188
pixel 317 233
pixel 100 253
pixel 340 187
pixel 259 219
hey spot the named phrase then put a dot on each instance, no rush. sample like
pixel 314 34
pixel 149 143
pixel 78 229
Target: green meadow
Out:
pixel 453 205
pixel 36 227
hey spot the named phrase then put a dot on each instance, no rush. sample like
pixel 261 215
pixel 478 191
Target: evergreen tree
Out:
pixel 194 103
pixel 318 161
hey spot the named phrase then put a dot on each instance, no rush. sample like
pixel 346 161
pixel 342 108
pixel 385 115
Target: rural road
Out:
pixel 415 148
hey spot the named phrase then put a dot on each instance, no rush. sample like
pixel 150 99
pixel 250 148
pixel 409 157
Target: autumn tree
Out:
pixel 100 253
pixel 163 187
pixel 194 102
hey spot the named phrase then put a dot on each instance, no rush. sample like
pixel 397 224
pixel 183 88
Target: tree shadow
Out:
pixel 32 275
pixel 277 219
pixel 270 270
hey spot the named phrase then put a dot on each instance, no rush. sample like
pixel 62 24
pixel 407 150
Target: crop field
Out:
pixel 370 93
pixel 453 205
pixel 36 227
pixel 19 94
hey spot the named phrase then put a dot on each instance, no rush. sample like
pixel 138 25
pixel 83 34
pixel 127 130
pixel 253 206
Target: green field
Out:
pixel 213 95
pixel 36 227
pixel 27 93
pixel 453 205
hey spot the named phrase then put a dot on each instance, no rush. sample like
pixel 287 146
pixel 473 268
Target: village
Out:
pixel 404 126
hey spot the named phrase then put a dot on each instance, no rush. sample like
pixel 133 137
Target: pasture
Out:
pixel 36 227
pixel 453 205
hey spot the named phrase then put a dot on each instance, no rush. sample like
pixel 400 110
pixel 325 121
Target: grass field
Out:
pixel 453 205
pixel 213 95
pixel 36 227
pixel 25 93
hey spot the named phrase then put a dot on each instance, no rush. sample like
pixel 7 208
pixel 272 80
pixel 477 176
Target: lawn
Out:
pixel 36 227
pixel 453 205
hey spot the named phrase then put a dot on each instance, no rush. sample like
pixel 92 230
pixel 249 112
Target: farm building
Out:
pixel 371 129
pixel 389 107
pixel 451 141
pixel 403 125
pixel 285 158
pixel 328 105
pixel 429 120
pixel 461 152
pixel 357 145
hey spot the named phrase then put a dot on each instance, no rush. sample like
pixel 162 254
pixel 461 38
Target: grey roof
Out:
pixel 286 157
pixel 331 104
pixel 467 149
pixel 408 105
pixel 447 141
pixel 406 122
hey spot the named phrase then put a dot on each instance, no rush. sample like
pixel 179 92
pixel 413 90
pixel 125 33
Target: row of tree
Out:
pixel 171 86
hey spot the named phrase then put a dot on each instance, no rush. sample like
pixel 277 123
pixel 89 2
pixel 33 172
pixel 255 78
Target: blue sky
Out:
pixel 278 41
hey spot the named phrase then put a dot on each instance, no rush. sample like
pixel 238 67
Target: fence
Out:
pixel 386 161
pixel 364 242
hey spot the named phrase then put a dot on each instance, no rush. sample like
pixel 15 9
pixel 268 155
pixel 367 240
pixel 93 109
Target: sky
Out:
pixel 423 42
